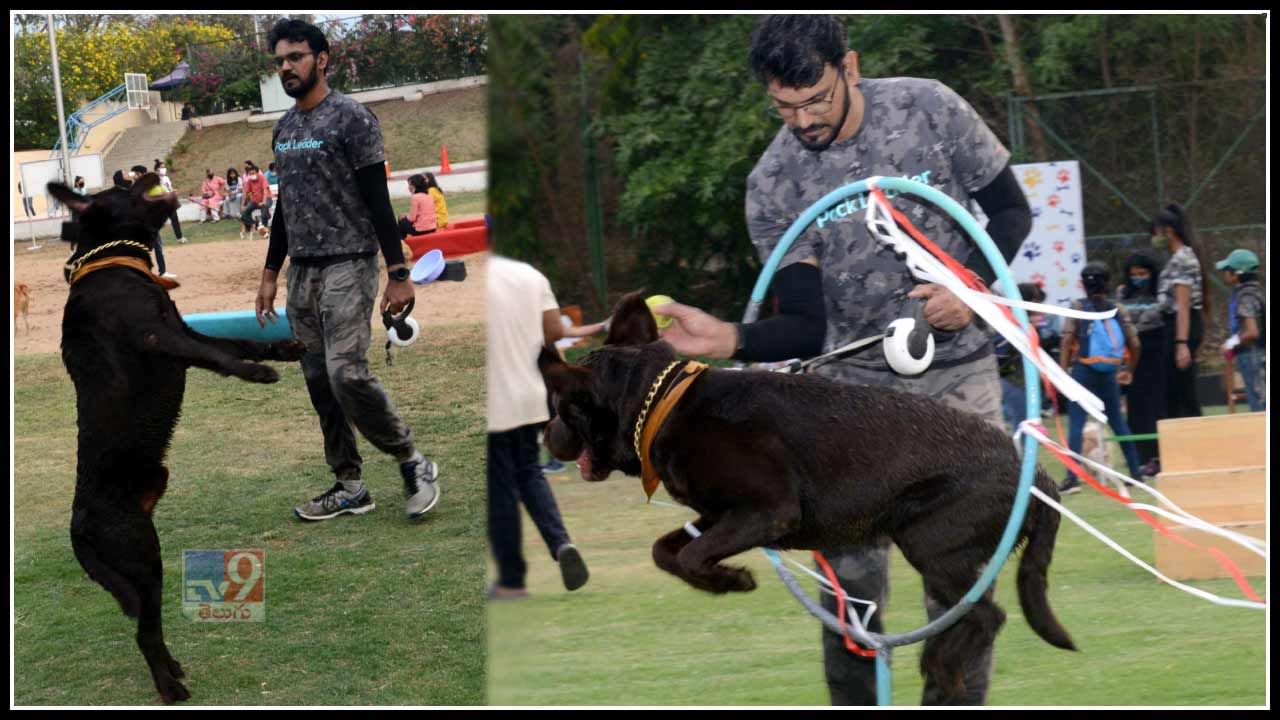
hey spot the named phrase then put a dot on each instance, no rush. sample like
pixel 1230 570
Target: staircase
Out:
pixel 141 146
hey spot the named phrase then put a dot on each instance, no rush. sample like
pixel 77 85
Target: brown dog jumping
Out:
pixel 803 462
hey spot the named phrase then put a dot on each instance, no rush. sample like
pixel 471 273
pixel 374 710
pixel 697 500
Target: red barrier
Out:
pixel 462 238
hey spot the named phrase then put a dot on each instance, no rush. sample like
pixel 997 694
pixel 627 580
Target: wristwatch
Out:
pixel 399 274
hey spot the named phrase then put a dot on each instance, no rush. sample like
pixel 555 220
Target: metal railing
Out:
pixel 79 123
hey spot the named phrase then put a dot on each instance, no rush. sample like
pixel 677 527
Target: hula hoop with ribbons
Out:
pixel 883 643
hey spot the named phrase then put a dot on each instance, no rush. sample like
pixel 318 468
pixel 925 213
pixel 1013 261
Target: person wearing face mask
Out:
pixel 1093 351
pixel 1145 382
pixel 234 200
pixel 1246 318
pixel 1183 301
pixel 212 191
pixel 257 198
pixel 167 184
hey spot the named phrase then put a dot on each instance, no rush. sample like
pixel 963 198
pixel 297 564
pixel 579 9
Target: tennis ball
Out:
pixel 655 300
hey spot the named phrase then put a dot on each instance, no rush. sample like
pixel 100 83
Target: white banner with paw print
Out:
pixel 1053 253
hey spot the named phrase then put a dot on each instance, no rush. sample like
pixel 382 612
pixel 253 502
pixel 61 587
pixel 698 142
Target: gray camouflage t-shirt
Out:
pixel 317 153
pixel 914 128
pixel 1182 269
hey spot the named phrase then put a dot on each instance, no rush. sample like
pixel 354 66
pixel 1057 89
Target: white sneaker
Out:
pixel 242 234
pixel 169 276
pixel 421 485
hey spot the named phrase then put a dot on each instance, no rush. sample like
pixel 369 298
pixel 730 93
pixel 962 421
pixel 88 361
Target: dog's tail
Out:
pixel 1041 529
pixel 118 585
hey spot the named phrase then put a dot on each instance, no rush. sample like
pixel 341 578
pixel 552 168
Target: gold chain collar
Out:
pixel 71 268
pixel 644 412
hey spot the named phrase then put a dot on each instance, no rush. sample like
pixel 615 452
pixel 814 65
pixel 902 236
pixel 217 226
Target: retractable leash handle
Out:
pixel 402 330
pixel 908 344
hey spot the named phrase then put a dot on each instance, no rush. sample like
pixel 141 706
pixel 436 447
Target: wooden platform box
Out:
pixel 1213 441
pixel 1231 495
pixel 1183 563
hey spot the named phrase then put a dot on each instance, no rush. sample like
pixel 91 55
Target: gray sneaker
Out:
pixel 334 502
pixel 421 489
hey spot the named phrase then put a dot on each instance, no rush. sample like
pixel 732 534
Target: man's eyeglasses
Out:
pixel 815 107
pixel 294 58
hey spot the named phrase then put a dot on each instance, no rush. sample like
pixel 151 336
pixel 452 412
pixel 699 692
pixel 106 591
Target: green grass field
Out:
pixel 359 610
pixel 637 636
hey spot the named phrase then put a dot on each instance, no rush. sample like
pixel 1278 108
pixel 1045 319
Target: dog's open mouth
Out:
pixel 587 470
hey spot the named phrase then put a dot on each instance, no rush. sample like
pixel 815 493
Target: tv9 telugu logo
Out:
pixel 224 585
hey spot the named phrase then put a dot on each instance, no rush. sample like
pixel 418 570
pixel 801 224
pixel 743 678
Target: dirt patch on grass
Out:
pixel 219 276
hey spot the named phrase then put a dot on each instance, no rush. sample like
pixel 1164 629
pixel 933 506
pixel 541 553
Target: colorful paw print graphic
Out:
pixel 1032 178
pixel 1054 201
pixel 1039 279
pixel 1064 176
pixel 1076 258
pixel 1031 251
pixel 1059 246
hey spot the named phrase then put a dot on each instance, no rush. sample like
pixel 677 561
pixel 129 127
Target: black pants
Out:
pixel 407 229
pixel 159 248
pixel 514 476
pixel 173 222
pixel 1147 392
pixel 1182 398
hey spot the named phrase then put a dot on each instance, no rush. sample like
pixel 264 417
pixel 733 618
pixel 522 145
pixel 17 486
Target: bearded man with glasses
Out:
pixel 332 216
pixel 837 284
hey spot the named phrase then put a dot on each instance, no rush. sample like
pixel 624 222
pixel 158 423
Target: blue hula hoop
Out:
pixel 1008 287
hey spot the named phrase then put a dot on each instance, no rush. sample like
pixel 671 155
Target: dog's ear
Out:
pixel 69 197
pixel 632 322
pixel 561 377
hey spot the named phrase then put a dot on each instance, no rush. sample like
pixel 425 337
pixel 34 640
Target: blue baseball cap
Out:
pixel 1240 260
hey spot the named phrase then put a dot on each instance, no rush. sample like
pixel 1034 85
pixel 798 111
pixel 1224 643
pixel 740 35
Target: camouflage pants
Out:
pixel 863 572
pixel 330 310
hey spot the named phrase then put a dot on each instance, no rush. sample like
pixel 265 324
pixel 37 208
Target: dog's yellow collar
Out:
pixel 646 431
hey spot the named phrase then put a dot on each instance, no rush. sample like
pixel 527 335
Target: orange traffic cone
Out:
pixel 444 161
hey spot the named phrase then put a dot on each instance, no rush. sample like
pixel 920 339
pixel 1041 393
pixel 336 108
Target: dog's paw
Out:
pixel 175 669
pixel 287 350
pixel 255 373
pixel 740 580
pixel 730 579
pixel 172 691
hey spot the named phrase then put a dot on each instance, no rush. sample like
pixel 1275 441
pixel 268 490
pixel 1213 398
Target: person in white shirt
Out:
pixel 167 184
pixel 523 316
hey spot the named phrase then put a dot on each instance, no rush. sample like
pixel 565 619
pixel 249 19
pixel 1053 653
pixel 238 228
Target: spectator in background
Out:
pixel 167 184
pixel 189 116
pixel 1246 318
pixel 437 195
pixel 1012 382
pixel 271 174
pixel 212 191
pixel 235 194
pixel 523 317
pixel 1144 383
pixel 121 180
pixel 78 186
pixel 257 198
pixel 422 209
pixel 1183 301
pixel 135 173
pixel 1093 351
